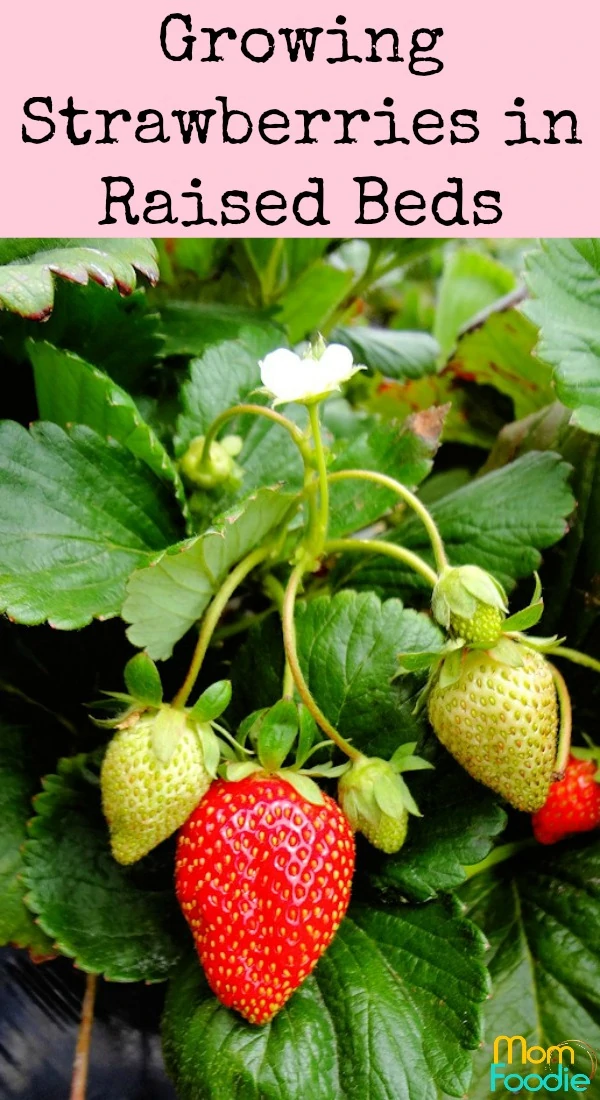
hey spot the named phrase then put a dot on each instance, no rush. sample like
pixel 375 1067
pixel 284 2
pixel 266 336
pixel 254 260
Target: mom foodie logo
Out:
pixel 558 1060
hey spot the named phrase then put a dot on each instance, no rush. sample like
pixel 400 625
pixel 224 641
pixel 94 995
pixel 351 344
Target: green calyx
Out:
pixel 168 723
pixel 470 603
pixel 592 752
pixel 475 624
pixel 376 800
pixel 273 735
pixel 218 469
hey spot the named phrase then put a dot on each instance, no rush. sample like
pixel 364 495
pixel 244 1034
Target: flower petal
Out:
pixel 279 372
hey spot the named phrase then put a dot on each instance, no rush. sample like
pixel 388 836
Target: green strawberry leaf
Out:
pixel 69 390
pixel 405 452
pixel 166 597
pixel 531 494
pixel 470 282
pixel 499 352
pixel 348 647
pixel 459 823
pixel 77 515
pixel 226 374
pixel 120 922
pixel 190 328
pixel 119 335
pixel 564 278
pixel 310 303
pixel 142 680
pixel 18 784
pixel 541 915
pixel 28 267
pixel 372 1020
pixel 392 352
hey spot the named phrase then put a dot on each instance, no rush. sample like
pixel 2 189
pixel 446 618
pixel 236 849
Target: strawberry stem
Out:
pixel 253 410
pixel 390 549
pixel 409 498
pixel 575 657
pixel 213 615
pixel 566 724
pixel 84 1038
pixel 319 522
pixel 289 637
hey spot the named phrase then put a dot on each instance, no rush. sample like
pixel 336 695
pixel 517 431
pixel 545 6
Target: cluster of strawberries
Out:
pixel 265 858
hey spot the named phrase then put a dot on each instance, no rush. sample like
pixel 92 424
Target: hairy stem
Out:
pixel 84 1038
pixel 289 637
pixel 317 532
pixel 409 498
pixel 254 410
pixel 566 724
pixel 213 614
pixel 389 549
pixel 575 657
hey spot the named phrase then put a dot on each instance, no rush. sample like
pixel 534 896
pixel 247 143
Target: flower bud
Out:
pixel 220 468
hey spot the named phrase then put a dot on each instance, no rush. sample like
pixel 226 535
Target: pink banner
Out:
pixel 393 128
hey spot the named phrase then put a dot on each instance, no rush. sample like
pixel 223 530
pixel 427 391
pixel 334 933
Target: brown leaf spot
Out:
pixel 428 423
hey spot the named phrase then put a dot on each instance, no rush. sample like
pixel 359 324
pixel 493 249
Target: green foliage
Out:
pixel 19 782
pixel 166 598
pixel 564 277
pixel 459 823
pixel 348 646
pixel 499 352
pixel 334 1042
pixel 400 355
pixel 69 391
pixel 26 274
pixel 541 915
pixel 123 923
pixel 78 514
pixel 470 282
pixel 534 490
pixel 403 451
pixel 472 398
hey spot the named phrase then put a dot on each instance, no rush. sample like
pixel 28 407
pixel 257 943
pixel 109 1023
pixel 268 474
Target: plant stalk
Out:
pixel 575 657
pixel 409 498
pixel 289 637
pixel 317 532
pixel 566 724
pixel 82 1051
pixel 254 410
pixel 389 549
pixel 213 615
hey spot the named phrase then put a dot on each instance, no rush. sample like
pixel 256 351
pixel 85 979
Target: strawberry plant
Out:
pixel 287 744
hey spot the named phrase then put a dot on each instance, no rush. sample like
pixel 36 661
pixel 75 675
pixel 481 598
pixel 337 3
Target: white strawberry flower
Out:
pixel 291 377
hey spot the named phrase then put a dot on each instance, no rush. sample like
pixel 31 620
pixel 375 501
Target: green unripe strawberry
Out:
pixel 471 603
pixel 501 723
pixel 377 801
pixel 483 628
pixel 389 835
pixel 153 775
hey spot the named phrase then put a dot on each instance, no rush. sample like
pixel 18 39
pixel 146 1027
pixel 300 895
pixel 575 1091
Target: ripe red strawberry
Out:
pixel 573 803
pixel 263 878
